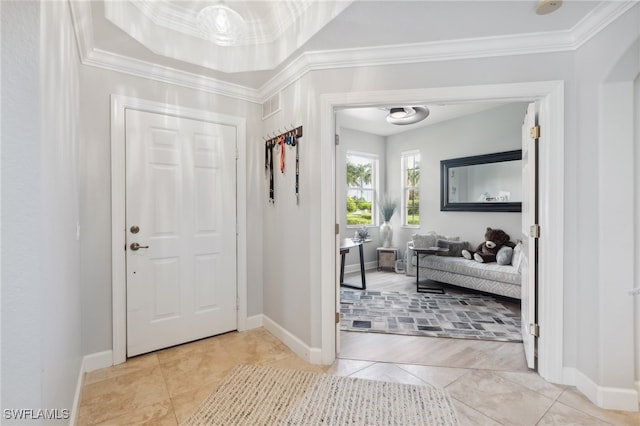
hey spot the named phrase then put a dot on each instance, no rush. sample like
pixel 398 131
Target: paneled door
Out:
pixel 529 262
pixel 181 230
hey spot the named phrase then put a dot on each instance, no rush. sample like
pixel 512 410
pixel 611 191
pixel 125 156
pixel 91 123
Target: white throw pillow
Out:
pixel 516 260
pixel 504 255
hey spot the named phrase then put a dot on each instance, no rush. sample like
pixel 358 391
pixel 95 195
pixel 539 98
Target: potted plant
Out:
pixel 387 207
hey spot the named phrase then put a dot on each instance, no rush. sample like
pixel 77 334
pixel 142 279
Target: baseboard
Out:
pixel 638 389
pixel 97 361
pixel 607 397
pixel 356 267
pixel 73 418
pixel 89 363
pixel 307 353
pixel 254 321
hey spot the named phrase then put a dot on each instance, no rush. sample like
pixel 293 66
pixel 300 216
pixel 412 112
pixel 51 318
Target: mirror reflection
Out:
pixel 491 182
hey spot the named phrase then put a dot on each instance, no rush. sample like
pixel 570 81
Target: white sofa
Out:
pixel 503 280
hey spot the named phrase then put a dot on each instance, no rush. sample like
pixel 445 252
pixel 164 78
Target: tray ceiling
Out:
pixel 284 39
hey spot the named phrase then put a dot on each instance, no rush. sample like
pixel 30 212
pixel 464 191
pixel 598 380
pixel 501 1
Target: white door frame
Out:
pixel 118 232
pixel 551 206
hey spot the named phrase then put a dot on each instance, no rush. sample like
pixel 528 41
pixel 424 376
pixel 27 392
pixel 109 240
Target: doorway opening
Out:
pixel 550 96
pixel 402 163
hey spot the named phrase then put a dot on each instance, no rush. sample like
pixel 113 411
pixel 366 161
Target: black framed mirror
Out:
pixel 482 183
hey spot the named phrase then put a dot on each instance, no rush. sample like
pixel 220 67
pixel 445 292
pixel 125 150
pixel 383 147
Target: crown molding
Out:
pixel 599 18
pixel 523 44
pixel 92 56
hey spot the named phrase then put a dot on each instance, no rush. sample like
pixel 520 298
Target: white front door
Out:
pixel 529 262
pixel 181 211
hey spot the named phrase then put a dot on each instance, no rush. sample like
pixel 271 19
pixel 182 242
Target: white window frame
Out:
pixel 403 169
pixel 375 184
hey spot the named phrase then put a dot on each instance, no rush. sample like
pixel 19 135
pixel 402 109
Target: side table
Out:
pixel 387 257
pixel 422 251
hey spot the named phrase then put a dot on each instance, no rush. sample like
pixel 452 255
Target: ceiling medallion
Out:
pixel 222 25
pixel 407 115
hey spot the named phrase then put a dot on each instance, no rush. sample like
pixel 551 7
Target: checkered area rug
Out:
pixel 464 316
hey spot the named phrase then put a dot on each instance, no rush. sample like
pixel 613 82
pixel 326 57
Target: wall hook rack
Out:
pixel 287 138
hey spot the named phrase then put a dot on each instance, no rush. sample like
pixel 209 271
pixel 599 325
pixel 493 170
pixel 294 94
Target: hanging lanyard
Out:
pixel 268 164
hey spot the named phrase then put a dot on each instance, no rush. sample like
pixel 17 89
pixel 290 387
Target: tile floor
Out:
pixel 489 384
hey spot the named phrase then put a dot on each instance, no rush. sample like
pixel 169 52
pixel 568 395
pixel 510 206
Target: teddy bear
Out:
pixel 494 239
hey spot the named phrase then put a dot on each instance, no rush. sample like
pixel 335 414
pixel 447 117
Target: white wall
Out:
pixel 96 87
pixel 41 339
pixel 583 72
pixel 608 65
pixel 494 130
pixel 360 142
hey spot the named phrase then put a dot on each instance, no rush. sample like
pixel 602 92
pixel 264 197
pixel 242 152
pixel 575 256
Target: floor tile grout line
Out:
pixel 478 411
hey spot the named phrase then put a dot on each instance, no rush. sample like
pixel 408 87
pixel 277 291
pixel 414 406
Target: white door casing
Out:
pixel 529 257
pixel 119 105
pixel 550 95
pixel 180 208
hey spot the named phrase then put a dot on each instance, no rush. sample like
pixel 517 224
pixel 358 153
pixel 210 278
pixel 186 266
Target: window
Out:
pixel 411 188
pixel 362 187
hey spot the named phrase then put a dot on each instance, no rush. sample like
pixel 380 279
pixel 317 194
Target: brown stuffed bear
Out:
pixel 486 252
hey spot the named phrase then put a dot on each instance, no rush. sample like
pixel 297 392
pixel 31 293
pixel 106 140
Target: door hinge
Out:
pixel 534 329
pixel 337 229
pixel 535 132
pixel 337 317
pixel 337 139
pixel 534 231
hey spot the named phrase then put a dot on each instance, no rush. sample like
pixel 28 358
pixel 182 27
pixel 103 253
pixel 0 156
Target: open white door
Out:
pixel 340 178
pixel 530 232
pixel 180 230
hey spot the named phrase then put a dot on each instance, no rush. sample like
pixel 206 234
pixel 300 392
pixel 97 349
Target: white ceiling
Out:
pixel 373 120
pixel 137 35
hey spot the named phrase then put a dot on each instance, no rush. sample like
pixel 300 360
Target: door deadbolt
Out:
pixel 136 246
pixel 135 229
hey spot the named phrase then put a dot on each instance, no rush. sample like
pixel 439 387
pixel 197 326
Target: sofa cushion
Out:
pixel 504 256
pixel 455 247
pixel 429 239
pixel 460 265
pixel 516 261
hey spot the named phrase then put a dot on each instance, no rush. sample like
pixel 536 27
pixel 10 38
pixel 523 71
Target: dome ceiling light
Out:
pixel 223 25
pixel 407 115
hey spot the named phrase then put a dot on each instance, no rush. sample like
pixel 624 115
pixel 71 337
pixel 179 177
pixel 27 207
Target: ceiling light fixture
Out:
pixel 223 25
pixel 407 115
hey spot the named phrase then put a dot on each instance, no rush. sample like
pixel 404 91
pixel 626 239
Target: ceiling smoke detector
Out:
pixel 407 115
pixel 545 7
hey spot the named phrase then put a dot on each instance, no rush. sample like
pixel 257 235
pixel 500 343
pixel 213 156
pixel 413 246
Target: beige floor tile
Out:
pixel 575 399
pixel 142 362
pixel 195 370
pixel 346 367
pixel 436 376
pixel 533 381
pixel 501 400
pixel 467 416
pixel 185 404
pixel 388 373
pixel 210 345
pixel 159 414
pixel 560 414
pixel 111 398
pixel 292 361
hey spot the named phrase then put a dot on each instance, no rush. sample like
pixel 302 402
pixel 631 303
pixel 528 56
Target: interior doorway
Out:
pixel 551 98
pixel 391 304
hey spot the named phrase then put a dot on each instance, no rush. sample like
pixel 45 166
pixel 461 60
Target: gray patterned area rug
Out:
pixel 464 316
pixel 255 395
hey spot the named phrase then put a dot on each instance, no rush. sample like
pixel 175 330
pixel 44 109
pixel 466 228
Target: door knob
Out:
pixel 136 246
